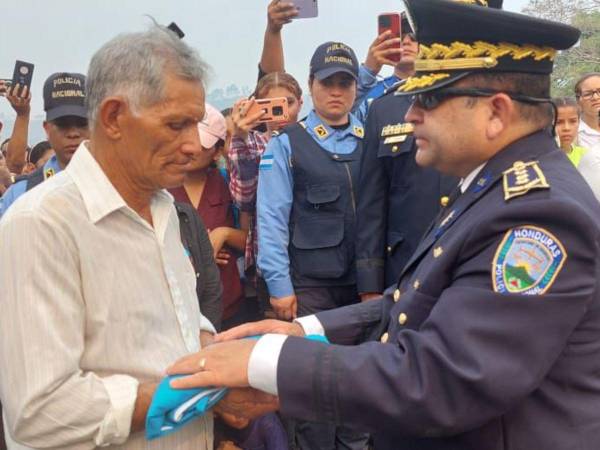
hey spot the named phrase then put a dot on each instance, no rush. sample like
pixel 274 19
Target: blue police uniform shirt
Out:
pixel 378 89
pixel 20 187
pixel 275 196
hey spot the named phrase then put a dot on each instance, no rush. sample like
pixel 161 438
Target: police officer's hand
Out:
pixel 366 296
pixel 260 328
pixel 19 102
pixel 242 122
pixel 285 308
pixel 280 13
pixel 380 51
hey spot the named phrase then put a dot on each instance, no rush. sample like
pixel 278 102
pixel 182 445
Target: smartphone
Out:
pixel 307 8
pixel 391 22
pixel 175 29
pixel 22 75
pixel 274 109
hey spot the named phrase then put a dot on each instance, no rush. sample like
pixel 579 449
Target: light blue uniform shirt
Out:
pixel 275 196
pixel 378 90
pixel 20 187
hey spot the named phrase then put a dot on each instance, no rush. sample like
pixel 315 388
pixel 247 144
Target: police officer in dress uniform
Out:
pixel 65 125
pixel 397 198
pixel 490 339
pixel 306 209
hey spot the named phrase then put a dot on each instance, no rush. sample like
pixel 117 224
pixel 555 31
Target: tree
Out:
pixel 584 57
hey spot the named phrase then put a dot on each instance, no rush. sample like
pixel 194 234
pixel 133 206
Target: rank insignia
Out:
pixel 358 131
pixel 400 128
pixel 321 131
pixel 522 178
pixel 49 173
pixel 527 261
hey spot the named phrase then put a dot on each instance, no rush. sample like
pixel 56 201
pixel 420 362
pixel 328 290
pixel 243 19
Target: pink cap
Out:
pixel 212 128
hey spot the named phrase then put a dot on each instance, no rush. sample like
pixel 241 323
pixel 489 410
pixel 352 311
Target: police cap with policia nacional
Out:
pixel 491 337
pixel 65 125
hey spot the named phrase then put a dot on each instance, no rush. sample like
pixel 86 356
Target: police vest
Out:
pixel 323 216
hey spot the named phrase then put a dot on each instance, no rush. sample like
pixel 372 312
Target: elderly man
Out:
pixel 490 338
pixel 98 295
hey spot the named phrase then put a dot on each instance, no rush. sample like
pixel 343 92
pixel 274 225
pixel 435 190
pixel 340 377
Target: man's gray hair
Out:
pixel 134 65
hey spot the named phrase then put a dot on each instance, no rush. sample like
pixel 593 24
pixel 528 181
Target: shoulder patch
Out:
pixel 527 261
pixel 522 178
pixel 321 131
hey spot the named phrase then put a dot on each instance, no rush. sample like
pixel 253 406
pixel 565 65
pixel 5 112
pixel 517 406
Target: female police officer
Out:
pixel 306 202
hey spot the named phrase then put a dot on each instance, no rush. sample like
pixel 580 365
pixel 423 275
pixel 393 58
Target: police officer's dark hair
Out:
pixel 583 79
pixel 527 84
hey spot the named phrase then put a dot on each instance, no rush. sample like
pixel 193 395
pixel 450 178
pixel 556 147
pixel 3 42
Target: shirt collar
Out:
pixel 466 181
pixel 322 131
pixel 99 195
pixel 586 129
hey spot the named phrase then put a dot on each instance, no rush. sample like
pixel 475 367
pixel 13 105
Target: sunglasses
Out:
pixel 431 100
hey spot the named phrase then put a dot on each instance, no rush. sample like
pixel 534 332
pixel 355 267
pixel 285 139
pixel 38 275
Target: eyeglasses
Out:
pixel 432 99
pixel 588 95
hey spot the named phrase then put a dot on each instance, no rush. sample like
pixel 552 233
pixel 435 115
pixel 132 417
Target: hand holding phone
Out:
pixel 268 110
pixel 22 76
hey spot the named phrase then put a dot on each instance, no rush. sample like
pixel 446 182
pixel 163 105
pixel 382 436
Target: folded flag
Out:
pixel 171 408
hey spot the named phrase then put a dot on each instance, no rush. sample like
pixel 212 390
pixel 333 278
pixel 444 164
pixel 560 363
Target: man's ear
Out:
pixel 112 112
pixel 501 112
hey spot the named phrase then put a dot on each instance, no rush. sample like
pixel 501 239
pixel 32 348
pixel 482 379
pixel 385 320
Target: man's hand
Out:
pixel 143 400
pixel 222 258
pixel 242 122
pixel 278 14
pixel 380 52
pixel 285 308
pixel 366 296
pixel 20 103
pixel 241 405
pixel 260 328
pixel 223 365
pixel 218 237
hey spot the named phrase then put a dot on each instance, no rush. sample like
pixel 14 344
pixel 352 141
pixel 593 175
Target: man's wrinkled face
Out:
pixel 158 142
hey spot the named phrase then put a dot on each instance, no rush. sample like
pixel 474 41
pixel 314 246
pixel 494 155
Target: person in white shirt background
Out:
pixel 587 91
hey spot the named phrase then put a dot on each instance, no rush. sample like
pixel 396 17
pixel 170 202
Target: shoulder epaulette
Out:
pixel 521 178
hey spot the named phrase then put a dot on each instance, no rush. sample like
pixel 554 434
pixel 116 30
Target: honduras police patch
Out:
pixel 527 261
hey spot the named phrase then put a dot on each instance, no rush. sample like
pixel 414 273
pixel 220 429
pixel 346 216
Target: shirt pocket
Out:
pixel 323 197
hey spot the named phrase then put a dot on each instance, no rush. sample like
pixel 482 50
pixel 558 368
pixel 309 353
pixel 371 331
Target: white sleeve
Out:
pixel 311 325
pixel 262 365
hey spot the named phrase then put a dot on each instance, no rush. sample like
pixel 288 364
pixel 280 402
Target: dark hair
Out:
pixel 527 84
pixel 584 78
pixel 38 151
pixel 278 79
pixel 566 102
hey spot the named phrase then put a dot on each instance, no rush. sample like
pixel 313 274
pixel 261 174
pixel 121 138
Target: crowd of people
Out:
pixel 150 226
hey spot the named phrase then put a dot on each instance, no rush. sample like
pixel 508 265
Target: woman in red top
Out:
pixel 206 190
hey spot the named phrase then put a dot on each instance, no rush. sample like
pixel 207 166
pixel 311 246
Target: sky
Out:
pixel 62 35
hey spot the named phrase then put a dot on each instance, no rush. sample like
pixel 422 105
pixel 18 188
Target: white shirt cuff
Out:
pixel 262 365
pixel 311 325
pixel 116 426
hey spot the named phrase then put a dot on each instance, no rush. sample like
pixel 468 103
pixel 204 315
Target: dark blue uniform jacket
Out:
pixel 491 338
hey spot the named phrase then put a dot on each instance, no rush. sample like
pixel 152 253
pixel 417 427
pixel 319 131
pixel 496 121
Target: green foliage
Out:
pixel 584 57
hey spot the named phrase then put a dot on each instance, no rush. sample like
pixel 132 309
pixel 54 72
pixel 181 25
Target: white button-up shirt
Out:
pixel 94 301
pixel 588 137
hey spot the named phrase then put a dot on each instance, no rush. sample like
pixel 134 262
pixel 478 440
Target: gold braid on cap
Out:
pixel 479 55
pixel 422 81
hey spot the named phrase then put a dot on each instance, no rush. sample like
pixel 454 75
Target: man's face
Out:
pixel 410 49
pixel 158 143
pixel 589 97
pixel 65 134
pixel 451 136
pixel 334 96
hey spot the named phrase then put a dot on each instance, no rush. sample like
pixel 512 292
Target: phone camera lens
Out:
pixel 277 111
